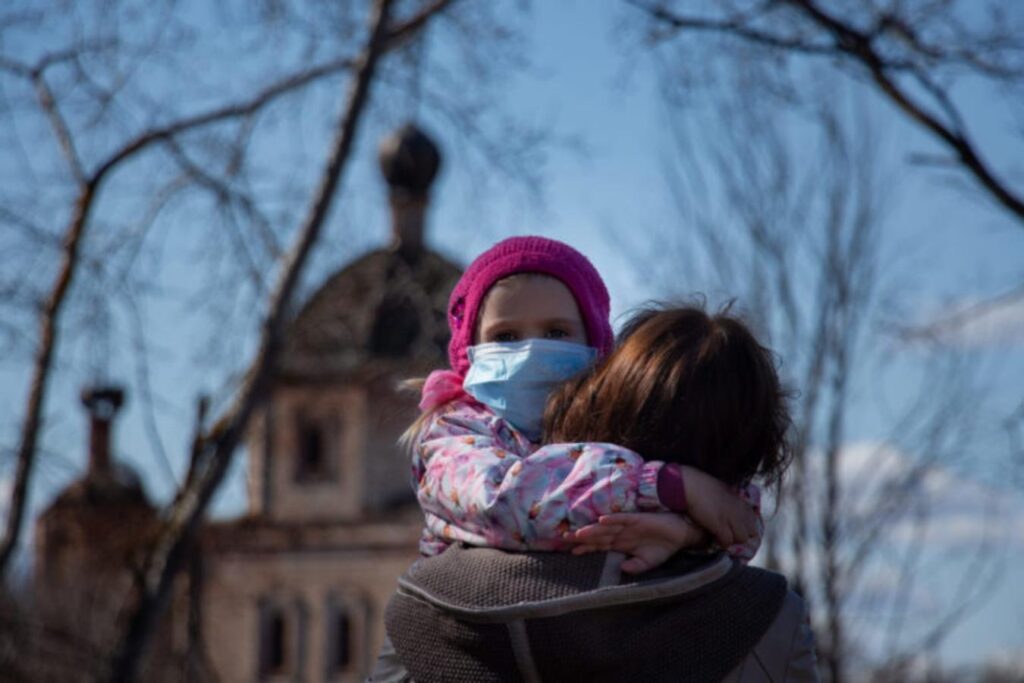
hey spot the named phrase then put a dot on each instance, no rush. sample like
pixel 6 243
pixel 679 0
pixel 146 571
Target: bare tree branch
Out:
pixel 861 47
pixel 48 329
pixel 60 127
pixel 143 380
pixel 232 111
pixel 737 24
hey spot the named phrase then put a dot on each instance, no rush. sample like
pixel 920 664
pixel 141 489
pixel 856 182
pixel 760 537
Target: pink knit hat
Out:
pixel 527 255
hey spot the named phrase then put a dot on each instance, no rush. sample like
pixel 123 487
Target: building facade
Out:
pixel 294 590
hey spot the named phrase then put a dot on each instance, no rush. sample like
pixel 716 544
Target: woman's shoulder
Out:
pixel 786 650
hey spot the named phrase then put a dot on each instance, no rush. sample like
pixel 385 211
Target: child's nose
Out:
pixel 536 333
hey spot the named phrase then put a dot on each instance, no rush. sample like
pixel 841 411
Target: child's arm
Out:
pixel 733 518
pixel 478 482
pixel 650 539
pixel 745 551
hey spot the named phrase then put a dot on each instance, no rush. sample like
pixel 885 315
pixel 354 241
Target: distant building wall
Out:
pixel 313 613
pixel 317 440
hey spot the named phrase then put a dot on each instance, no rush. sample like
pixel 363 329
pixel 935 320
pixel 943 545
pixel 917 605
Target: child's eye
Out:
pixel 505 337
pixel 556 334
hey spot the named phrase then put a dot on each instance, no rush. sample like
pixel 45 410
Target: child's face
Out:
pixel 530 306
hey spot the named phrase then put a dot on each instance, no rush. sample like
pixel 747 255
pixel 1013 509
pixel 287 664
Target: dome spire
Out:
pixel 409 161
pixel 102 404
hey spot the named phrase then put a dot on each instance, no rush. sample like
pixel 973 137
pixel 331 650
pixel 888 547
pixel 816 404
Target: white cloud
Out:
pixel 976 323
pixel 1007 660
pixel 958 510
pixel 971 529
pixel 965 512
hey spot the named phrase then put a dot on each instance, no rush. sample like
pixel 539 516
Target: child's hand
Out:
pixel 649 538
pixel 730 519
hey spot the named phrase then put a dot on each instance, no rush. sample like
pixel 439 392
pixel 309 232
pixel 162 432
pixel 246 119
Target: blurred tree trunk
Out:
pixel 218 446
pixel 782 205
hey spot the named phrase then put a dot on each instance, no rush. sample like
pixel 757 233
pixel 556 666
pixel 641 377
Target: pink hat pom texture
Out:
pixel 527 255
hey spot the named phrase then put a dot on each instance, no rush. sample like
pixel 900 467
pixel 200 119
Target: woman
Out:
pixel 684 387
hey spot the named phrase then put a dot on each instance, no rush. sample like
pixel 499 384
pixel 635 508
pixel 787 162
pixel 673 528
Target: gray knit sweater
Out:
pixel 487 615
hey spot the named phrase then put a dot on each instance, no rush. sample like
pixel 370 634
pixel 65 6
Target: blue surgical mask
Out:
pixel 514 378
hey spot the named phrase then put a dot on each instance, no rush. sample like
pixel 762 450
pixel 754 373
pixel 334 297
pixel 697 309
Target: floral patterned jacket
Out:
pixel 481 482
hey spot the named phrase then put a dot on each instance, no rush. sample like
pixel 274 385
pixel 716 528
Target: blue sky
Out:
pixel 605 177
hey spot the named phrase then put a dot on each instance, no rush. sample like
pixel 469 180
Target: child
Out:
pixel 527 315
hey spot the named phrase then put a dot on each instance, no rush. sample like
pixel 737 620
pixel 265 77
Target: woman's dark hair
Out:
pixel 686 387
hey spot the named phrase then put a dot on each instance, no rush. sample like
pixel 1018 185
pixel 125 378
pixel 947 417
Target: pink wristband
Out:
pixel 671 491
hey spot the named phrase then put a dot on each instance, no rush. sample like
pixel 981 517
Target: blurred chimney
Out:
pixel 102 404
pixel 409 160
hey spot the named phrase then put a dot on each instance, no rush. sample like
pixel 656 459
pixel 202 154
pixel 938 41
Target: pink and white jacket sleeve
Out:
pixel 481 482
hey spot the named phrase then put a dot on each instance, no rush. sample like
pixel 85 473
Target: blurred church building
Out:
pixel 295 589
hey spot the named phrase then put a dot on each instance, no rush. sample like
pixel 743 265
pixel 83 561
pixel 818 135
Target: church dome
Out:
pixel 120 486
pixel 384 313
pixel 106 482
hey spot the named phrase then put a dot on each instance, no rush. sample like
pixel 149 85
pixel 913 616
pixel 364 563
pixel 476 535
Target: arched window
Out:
pixel 282 637
pixel 315 442
pixel 347 620
pixel 311 451
pixel 273 640
pixel 396 327
pixel 341 655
